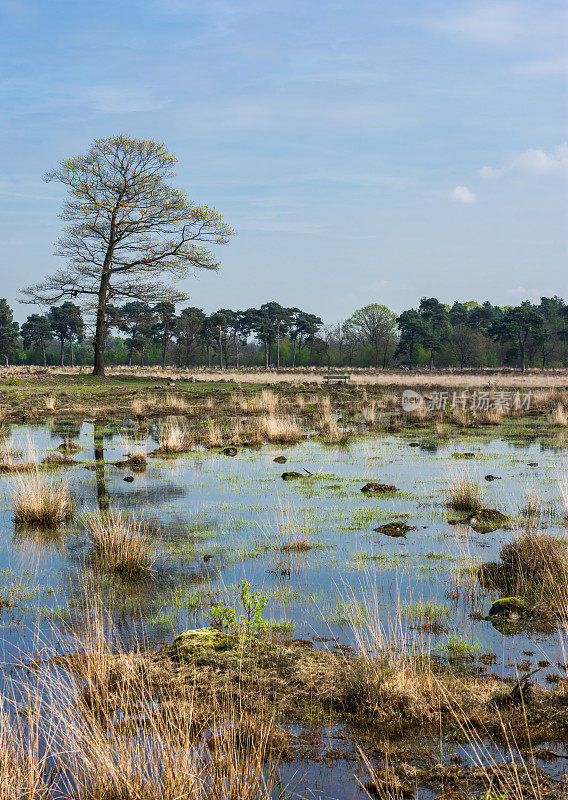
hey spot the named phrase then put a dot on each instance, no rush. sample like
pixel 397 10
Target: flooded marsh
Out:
pixel 364 595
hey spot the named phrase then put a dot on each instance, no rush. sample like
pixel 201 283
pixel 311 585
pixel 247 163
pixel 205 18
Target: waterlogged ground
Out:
pixel 216 519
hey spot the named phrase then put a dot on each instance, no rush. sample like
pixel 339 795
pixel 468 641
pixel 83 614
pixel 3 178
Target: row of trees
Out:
pixel 434 335
pixel 471 334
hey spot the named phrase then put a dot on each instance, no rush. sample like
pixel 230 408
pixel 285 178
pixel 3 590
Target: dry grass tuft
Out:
pixel 134 732
pixel 9 453
pixel 464 493
pixel 173 402
pixel 173 438
pixel 287 537
pixel 237 432
pixel 49 403
pixel 460 416
pixel 533 509
pixel 120 544
pixel 534 559
pixel 212 434
pixel 490 416
pixel 278 429
pixel 57 460
pixel 41 500
pixel 138 407
pixel 389 400
pixel 266 402
pixel 369 412
pixel 558 416
pixel 324 405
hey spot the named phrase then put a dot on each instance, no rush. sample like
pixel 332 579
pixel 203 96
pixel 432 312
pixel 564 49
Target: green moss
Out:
pixel 200 641
pixel 507 607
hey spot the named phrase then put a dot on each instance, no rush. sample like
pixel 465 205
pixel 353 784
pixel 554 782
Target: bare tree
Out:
pixel 128 231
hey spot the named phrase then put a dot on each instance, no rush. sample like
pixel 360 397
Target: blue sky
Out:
pixel 365 151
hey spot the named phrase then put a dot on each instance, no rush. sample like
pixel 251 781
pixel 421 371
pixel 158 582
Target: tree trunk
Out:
pixel 278 348
pixel 294 355
pixel 164 348
pixel 523 357
pixel 386 353
pixel 266 354
pixel 71 349
pixel 61 356
pixel 431 360
pixel 220 350
pixel 100 329
pixel 236 351
pixel 43 353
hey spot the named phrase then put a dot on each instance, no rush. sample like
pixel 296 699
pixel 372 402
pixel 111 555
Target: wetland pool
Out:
pixel 214 520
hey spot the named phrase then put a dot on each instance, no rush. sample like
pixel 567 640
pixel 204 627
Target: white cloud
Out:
pixel 531 162
pixel 461 194
pixel 490 23
pixel 503 24
pixel 518 291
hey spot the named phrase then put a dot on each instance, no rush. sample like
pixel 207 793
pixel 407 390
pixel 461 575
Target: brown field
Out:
pixel 504 377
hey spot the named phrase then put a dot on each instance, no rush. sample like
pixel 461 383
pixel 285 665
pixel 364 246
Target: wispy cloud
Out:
pixel 461 194
pixel 531 162
pixel 486 23
pixel 123 100
pixel 501 23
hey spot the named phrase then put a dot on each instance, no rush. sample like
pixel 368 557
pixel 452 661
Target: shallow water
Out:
pixel 229 510
pixel 215 520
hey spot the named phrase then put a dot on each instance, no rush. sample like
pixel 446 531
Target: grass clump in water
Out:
pixel 120 544
pixel 173 439
pixel 465 494
pixel 428 611
pixel 457 647
pixel 533 566
pixel 40 500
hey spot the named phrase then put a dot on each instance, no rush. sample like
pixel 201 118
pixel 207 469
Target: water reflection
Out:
pixel 99 426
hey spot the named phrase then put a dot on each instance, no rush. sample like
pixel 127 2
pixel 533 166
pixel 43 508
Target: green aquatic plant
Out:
pixel 429 610
pixel 459 647
pixel 224 618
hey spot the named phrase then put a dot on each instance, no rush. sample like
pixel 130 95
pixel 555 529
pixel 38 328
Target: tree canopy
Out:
pixel 129 231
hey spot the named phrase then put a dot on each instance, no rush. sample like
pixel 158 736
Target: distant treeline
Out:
pixel 435 334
